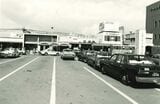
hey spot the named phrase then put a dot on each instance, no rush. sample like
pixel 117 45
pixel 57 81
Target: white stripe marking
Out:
pixel 11 60
pixel 1 79
pixel 53 84
pixel 111 86
pixel 157 89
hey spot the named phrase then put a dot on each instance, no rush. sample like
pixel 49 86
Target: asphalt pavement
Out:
pixel 51 80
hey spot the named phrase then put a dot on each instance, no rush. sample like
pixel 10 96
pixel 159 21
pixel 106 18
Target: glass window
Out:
pixel 113 58
pixel 107 38
pixel 155 25
pixel 119 58
pixel 155 36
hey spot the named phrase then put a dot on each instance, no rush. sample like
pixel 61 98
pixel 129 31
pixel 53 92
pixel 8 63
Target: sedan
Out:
pixel 9 52
pixel 49 52
pixel 131 68
pixel 94 59
pixel 68 54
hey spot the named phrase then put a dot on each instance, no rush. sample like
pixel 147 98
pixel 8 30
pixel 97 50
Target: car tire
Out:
pixel 46 53
pixel 125 79
pixel 103 70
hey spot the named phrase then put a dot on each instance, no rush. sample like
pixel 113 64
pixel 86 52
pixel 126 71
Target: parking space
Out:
pixel 51 80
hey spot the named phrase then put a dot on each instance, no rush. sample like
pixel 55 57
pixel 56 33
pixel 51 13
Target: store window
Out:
pixel 155 37
pixel 107 38
pixel 155 24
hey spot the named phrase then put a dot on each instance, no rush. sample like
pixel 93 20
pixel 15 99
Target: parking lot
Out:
pixel 34 79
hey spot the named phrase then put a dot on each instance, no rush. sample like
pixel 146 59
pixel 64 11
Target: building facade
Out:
pixel 27 39
pixel 140 40
pixel 109 33
pixel 11 38
pixel 36 40
pixel 153 22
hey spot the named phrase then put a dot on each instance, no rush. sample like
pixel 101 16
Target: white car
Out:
pixel 9 52
pixel 68 54
pixel 49 52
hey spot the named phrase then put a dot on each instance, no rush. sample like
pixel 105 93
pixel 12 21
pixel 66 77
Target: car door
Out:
pixel 117 66
pixel 111 64
pixel 49 51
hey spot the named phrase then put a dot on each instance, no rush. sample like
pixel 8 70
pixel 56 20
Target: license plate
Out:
pixel 146 69
pixel 155 74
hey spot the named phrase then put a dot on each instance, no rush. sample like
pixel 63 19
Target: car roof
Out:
pixel 128 54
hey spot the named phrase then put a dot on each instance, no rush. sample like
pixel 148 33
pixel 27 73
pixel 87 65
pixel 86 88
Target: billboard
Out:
pixel 108 27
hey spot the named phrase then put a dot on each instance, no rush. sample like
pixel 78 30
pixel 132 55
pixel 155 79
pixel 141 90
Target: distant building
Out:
pixel 11 37
pixel 77 41
pixel 153 25
pixel 36 40
pixel 140 40
pixel 109 33
pixel 27 39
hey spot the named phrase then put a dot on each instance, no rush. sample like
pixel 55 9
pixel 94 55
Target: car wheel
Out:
pixel 103 70
pixel 46 53
pixel 125 79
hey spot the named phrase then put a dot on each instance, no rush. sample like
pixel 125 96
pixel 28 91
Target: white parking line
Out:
pixel 11 60
pixel 53 84
pixel 1 79
pixel 111 86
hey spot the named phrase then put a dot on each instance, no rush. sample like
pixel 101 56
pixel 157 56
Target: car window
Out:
pixel 49 49
pixel 123 60
pixel 118 60
pixel 137 59
pixel 67 50
pixel 113 58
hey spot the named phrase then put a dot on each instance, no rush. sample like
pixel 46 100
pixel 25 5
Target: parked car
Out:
pixel 21 51
pixel 76 51
pixel 49 51
pixel 156 58
pixel 83 55
pixel 68 54
pixel 131 68
pixel 9 52
pixel 94 60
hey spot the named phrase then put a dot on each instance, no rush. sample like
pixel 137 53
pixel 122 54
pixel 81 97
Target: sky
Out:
pixel 77 16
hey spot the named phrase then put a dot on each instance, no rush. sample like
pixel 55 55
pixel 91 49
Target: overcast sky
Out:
pixel 80 16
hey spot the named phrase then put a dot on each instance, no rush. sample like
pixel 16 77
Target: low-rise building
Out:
pixel 140 40
pixel 153 25
pixel 27 39
pixel 109 33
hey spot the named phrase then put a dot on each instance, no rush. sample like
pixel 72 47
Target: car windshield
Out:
pixel 67 50
pixel 8 49
pixel 102 53
pixel 90 53
pixel 139 59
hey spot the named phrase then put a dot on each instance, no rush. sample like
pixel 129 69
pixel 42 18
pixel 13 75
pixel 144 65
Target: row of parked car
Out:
pixel 128 68
pixel 11 52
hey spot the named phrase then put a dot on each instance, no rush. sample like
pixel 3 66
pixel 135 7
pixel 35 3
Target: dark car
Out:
pixel 94 60
pixel 156 58
pixel 83 55
pixel 131 68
